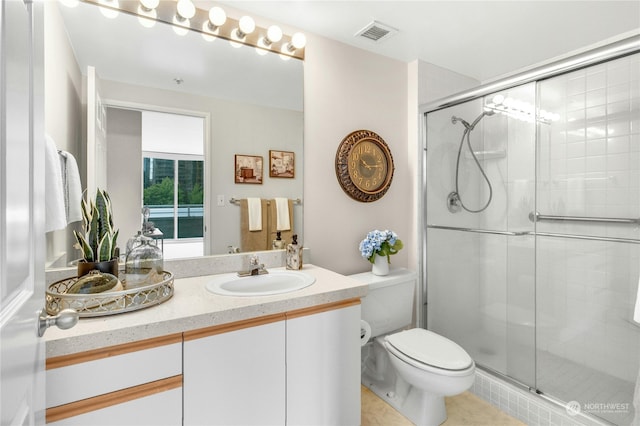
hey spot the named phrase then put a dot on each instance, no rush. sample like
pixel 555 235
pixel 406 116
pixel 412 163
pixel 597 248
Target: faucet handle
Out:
pixel 253 260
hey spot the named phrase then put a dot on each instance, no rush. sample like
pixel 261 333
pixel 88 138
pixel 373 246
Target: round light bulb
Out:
pixel 260 52
pixel 181 27
pixel 247 25
pixel 70 3
pixel 263 47
pixel 217 17
pixel 207 33
pixel 298 40
pixel 149 4
pixel 147 18
pixel 498 99
pixel 109 13
pixel 285 53
pixel 236 41
pixel 274 34
pixel 186 9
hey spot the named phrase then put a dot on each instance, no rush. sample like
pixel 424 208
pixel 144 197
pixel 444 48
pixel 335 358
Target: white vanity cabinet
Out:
pixel 297 368
pixel 234 374
pixel 136 383
pixel 323 365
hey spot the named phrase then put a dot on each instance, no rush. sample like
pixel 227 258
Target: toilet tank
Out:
pixel 388 306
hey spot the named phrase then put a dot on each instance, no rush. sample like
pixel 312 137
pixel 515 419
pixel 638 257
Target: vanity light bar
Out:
pixel 166 12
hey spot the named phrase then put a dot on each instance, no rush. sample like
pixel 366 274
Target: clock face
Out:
pixel 367 165
pixel 364 166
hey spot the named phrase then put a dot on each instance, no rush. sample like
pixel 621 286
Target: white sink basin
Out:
pixel 275 282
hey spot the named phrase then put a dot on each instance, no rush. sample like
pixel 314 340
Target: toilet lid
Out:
pixel 430 348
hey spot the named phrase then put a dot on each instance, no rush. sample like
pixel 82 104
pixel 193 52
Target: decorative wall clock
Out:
pixel 364 166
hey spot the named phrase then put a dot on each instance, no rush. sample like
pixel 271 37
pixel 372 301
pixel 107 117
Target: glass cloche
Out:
pixel 144 264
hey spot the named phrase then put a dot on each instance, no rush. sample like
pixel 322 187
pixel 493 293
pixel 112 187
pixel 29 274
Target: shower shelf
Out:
pixel 488 155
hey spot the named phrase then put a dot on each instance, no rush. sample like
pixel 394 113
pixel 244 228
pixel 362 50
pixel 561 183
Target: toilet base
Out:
pixel 420 408
pixel 424 409
pixel 379 376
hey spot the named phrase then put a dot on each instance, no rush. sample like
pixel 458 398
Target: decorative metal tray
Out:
pixel 107 303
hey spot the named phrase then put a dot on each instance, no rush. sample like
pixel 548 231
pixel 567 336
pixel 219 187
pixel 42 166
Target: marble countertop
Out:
pixel 193 307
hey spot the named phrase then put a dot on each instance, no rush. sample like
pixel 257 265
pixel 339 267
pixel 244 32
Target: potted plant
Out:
pixel 98 240
pixel 377 247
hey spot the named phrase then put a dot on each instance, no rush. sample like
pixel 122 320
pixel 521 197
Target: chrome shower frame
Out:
pixel 618 49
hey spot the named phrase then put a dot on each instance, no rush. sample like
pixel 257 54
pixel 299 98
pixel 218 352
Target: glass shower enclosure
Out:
pixel 532 231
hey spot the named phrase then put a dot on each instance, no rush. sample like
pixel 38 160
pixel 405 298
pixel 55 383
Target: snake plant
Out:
pixel 98 240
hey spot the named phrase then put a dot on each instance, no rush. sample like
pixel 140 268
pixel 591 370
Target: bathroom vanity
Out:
pixel 202 358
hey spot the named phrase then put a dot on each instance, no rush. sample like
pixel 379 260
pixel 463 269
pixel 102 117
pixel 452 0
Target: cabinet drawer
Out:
pixel 162 408
pixel 80 376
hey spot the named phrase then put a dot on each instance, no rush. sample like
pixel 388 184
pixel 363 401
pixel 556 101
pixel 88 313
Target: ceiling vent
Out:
pixel 376 31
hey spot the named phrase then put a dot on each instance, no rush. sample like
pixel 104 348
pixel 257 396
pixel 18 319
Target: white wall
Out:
pixel 124 176
pixel 436 82
pixel 63 110
pixel 348 89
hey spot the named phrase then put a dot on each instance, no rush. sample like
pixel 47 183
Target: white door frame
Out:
pixel 208 221
pixel 22 215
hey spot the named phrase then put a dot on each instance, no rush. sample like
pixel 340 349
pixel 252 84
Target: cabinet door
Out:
pixel 323 368
pixel 236 377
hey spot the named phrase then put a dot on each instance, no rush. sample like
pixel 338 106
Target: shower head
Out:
pixel 488 113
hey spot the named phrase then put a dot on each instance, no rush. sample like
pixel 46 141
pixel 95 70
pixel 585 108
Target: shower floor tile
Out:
pixel 570 381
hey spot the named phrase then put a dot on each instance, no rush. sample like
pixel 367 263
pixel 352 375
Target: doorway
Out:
pixel 156 177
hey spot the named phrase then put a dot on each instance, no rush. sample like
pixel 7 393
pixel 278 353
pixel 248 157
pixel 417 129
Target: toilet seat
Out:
pixel 423 348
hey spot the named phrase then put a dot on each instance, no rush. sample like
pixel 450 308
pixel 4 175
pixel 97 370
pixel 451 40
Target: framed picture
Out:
pixel 281 164
pixel 248 168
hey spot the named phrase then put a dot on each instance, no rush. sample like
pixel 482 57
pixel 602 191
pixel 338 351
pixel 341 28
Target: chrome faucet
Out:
pixel 255 268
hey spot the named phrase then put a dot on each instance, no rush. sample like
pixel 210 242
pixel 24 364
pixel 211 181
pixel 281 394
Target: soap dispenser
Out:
pixel 294 254
pixel 278 243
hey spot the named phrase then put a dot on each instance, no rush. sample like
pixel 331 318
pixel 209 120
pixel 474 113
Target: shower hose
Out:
pixel 468 128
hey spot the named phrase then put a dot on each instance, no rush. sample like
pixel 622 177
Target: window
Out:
pixel 176 205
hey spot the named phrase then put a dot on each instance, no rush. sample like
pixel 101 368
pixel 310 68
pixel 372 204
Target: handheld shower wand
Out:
pixel 454 200
pixel 471 126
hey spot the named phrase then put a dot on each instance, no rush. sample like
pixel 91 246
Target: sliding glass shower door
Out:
pixel 480 264
pixel 588 201
pixel 533 233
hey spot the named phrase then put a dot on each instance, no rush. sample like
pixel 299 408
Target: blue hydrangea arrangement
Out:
pixel 381 243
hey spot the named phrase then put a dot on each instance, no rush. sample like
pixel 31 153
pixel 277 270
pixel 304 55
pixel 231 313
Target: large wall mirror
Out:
pixel 149 80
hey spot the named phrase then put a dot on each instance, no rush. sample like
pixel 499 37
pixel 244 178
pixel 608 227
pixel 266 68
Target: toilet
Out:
pixel 412 369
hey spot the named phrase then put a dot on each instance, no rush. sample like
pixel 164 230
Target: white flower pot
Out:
pixel 380 266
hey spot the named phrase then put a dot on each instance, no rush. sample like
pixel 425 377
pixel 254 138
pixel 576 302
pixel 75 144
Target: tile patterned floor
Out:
pixel 465 409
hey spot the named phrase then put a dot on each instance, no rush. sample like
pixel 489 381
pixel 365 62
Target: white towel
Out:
pixel 71 186
pixel 254 206
pixel 55 213
pixel 282 214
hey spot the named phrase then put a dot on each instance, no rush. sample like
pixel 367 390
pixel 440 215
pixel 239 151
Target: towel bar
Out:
pixel 535 216
pixel 234 200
